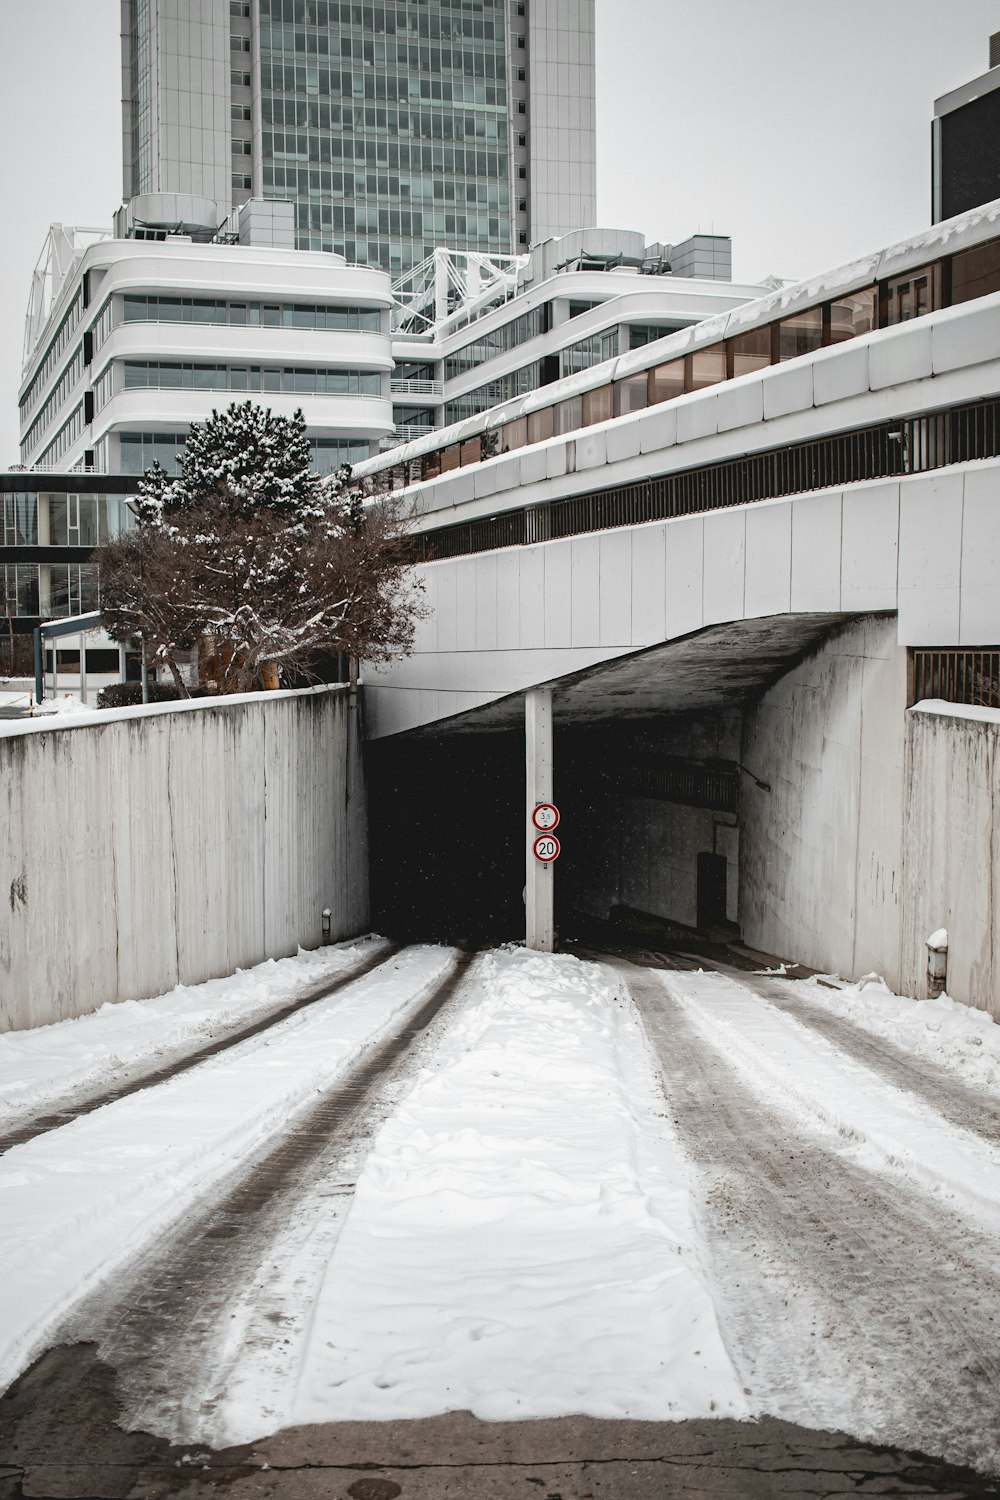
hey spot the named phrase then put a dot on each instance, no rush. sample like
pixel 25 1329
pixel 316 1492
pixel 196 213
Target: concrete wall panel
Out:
pixel 930 559
pixel 899 355
pixel 816 532
pixel 979 624
pixel 869 547
pixel 586 605
pixel 616 588
pixel 685 561
pixel 649 585
pixel 183 844
pixel 769 559
pixel 725 565
pixel 558 594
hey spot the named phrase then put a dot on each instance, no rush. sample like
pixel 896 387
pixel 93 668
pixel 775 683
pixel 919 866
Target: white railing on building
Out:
pixel 431 388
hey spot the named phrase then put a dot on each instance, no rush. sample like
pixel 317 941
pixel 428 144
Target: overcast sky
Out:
pixel 799 127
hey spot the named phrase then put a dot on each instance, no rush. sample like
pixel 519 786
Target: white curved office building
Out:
pixel 130 340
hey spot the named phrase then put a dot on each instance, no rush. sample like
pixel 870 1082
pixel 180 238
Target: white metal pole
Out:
pixel 540 882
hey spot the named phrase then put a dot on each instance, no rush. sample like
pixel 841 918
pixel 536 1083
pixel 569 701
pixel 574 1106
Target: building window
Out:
pixel 241 148
pixel 239 43
pixel 242 180
pixel 520 75
pixel 139 450
pixel 168 376
pixel 239 80
pixel 521 107
pixel 519 42
pixel 240 111
pixel 240 8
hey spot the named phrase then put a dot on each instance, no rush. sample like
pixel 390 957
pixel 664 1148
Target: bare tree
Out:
pixel 250 553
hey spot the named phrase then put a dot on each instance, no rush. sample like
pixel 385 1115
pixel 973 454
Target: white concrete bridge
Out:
pixel 924 546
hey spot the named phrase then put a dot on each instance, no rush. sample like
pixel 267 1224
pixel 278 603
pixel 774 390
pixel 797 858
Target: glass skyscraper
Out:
pixel 391 128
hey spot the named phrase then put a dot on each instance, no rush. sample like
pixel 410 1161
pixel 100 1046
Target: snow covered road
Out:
pixel 502 1186
pixel 854 1291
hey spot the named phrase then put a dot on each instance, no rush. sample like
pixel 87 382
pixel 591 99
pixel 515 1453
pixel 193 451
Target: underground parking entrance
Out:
pixel 649 774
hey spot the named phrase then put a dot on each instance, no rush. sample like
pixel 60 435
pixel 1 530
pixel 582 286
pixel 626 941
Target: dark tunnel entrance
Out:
pixel 649 830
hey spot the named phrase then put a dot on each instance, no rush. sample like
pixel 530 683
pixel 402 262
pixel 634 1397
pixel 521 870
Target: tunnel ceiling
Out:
pixel 723 666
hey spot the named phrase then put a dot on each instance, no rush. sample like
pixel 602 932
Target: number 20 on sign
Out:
pixel 546 848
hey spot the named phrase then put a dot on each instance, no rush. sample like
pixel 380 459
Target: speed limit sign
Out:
pixel 546 848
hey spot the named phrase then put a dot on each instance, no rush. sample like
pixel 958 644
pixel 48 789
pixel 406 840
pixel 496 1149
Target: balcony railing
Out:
pixel 404 435
pixel 433 389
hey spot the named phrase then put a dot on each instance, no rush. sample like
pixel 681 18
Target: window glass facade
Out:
pixel 167 376
pixel 592 351
pixel 327 454
pixel 138 451
pixel 517 383
pixel 386 125
pixel 976 272
pixel 137 309
pixel 64 439
pixel 498 341
pixel 955 278
pixel 61 390
pixel 641 334
pixel 54 353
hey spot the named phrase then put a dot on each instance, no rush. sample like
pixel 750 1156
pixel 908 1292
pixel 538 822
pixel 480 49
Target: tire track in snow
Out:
pixel 949 1096
pixel 150 1077
pixel 847 1300
pixel 191 1309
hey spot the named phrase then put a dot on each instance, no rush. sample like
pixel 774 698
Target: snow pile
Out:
pixel 81 1201
pixel 51 1065
pixel 522 1241
pixel 963 1040
pixel 887 1128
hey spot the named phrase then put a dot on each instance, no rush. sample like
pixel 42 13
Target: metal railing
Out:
pixel 888 450
pixel 433 388
pixel 971 677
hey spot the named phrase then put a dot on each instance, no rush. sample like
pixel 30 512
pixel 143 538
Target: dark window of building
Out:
pixel 910 296
pixel 749 351
pixel 666 382
pixel 631 394
pixel 598 406
pixel 853 315
pixel 969 166
pixel 800 334
pixel 975 272
pixel 540 425
pixel 706 367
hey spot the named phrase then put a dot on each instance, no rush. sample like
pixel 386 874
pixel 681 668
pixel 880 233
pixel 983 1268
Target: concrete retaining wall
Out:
pixel 173 845
pixel 951 853
pixel 878 826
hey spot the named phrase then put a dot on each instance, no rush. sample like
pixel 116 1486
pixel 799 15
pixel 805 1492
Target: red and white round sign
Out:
pixel 546 848
pixel 545 817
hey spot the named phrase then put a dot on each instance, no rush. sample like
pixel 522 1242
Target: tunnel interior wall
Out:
pixel 821 853
pixel 174 845
pixel 624 849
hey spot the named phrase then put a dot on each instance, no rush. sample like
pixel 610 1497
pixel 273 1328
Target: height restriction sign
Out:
pixel 545 817
pixel 546 848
